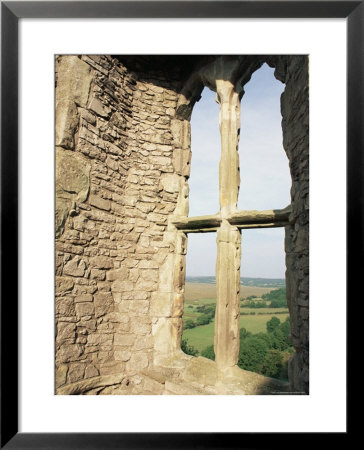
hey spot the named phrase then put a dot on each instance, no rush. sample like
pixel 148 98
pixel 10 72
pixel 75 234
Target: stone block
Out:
pixel 148 264
pixel 145 285
pixel 149 274
pixel 100 202
pixel 181 132
pixel 61 375
pixel 85 309
pixel 122 286
pixel 74 80
pixel 137 363
pixel 139 306
pixel 66 123
pixel 152 385
pixel 166 274
pixel 99 108
pixel 117 274
pixel 161 304
pixel 76 372
pixel 63 285
pixel 124 339
pixel 66 331
pixel 65 307
pixel 166 333
pixel 76 267
pixel 104 303
pixel 101 262
pixel 123 355
pixel 178 304
pixel 112 367
pixel 140 328
pixel 97 274
pixel 68 353
pixel 91 371
pixel 170 182
pixel 201 370
pixel 143 342
pixel 83 298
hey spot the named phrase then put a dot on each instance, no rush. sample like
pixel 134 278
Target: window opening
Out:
pixel 205 147
pixel 200 295
pixel 264 168
pixel 229 223
pixel 264 255
pixel 265 346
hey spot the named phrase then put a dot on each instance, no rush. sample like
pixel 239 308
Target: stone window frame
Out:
pixel 226 75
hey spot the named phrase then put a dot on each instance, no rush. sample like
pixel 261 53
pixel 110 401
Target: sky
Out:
pixel 264 176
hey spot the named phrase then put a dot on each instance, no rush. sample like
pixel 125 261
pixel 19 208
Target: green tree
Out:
pixel 281 336
pixel 203 319
pixel 189 324
pixel 273 364
pixel 253 351
pixel 277 297
pixel 286 329
pixel 208 352
pixel 188 349
pixel 273 324
pixel 244 333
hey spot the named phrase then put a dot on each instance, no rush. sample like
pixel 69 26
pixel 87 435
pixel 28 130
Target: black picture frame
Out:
pixel 11 12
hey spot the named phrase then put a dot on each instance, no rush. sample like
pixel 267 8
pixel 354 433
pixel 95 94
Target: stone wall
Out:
pixel 293 71
pixel 122 167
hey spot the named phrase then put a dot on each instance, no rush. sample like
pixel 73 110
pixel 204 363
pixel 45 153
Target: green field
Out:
pixel 202 336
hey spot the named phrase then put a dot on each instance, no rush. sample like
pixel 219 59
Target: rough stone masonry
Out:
pixel 121 222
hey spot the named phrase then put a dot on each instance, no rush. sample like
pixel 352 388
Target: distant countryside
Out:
pixel 265 346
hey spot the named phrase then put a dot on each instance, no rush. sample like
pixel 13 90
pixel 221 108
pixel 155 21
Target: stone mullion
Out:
pixel 227 290
pixel 241 219
pixel 228 236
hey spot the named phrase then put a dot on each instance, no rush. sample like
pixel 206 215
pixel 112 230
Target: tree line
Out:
pixel 263 353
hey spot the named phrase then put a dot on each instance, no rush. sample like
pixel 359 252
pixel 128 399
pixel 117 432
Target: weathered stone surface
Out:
pixel 76 372
pixel 73 86
pixel 123 355
pixel 91 371
pixel 124 339
pixel 76 267
pixel 67 121
pixel 85 309
pixel 83 386
pixel 69 353
pixel 101 262
pixel 65 331
pixel 153 386
pixel 137 362
pixel 97 107
pixel 65 307
pixel 161 304
pixel 226 341
pixel 201 369
pixel 123 162
pixel 100 202
pixel 170 182
pixel 61 375
pixel 64 285
pixel 104 303
pixel 122 286
pixel 167 333
pixel 72 184
pixel 117 274
pixel 83 298
pixel 74 80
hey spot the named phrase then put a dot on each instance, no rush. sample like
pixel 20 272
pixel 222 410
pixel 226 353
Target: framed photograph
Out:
pixel 108 336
